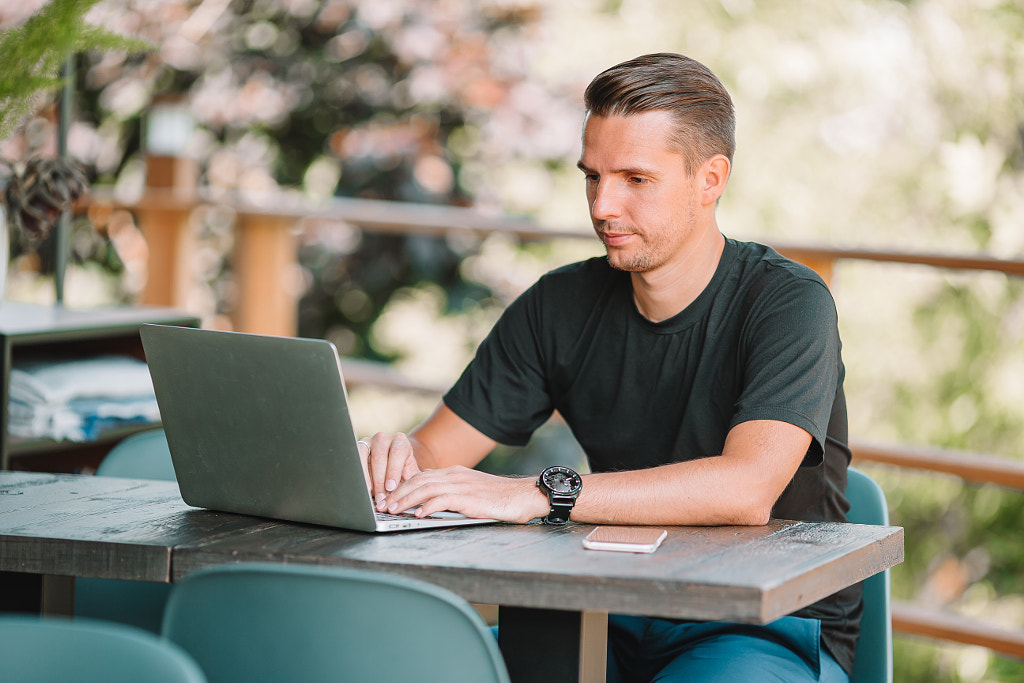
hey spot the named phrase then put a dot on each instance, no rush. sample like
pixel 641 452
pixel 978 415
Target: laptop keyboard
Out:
pixel 387 517
pixel 444 514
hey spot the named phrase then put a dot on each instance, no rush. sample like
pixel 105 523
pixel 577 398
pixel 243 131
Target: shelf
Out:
pixel 33 331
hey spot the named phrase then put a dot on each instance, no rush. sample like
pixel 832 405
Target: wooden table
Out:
pixel 554 595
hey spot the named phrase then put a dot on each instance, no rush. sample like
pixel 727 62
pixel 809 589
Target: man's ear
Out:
pixel 714 174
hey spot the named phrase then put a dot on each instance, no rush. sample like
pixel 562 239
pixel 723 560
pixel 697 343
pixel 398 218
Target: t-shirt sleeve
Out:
pixel 791 348
pixel 503 392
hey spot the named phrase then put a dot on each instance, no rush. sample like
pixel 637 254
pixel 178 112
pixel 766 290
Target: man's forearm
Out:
pixel 738 487
pixel 695 493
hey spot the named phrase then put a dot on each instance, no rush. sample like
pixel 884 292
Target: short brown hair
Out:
pixel 670 82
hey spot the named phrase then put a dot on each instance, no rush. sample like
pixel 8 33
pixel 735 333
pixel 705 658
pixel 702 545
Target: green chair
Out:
pixel 56 650
pixel 136 603
pixel 140 456
pixel 286 623
pixel 872 662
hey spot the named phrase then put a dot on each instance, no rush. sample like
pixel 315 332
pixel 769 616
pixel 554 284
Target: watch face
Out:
pixel 562 480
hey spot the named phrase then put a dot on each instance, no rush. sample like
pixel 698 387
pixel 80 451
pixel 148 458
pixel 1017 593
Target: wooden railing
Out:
pixel 265 239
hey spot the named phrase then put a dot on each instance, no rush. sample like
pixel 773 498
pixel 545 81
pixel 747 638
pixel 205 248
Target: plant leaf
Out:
pixel 31 55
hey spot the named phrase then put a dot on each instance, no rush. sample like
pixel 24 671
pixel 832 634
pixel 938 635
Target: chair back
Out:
pixel 56 650
pixel 141 456
pixel 872 660
pixel 286 623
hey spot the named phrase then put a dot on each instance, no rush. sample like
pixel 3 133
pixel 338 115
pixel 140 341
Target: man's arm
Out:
pixel 738 487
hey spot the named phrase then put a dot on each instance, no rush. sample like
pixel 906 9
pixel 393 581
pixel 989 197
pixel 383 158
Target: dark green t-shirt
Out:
pixel 760 343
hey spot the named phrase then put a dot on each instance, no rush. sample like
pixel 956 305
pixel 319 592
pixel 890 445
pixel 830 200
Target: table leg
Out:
pixel 553 645
pixel 58 595
pixel 593 646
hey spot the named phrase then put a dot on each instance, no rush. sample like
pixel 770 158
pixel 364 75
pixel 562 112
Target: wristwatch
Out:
pixel 562 485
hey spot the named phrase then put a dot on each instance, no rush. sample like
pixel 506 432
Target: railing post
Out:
pixel 172 181
pixel 163 218
pixel 264 265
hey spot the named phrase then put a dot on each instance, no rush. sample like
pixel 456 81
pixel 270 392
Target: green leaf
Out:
pixel 31 55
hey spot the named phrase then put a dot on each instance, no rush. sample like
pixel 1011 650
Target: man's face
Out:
pixel 644 205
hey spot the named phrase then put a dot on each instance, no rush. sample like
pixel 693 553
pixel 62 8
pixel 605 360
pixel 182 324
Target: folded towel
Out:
pixel 61 381
pixel 80 399
pixel 80 419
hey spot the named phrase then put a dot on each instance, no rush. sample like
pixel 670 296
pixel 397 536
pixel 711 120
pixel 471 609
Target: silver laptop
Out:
pixel 260 425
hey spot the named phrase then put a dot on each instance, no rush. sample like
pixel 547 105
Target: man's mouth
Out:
pixel 615 239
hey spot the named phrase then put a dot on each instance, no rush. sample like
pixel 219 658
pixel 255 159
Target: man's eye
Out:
pixel 636 180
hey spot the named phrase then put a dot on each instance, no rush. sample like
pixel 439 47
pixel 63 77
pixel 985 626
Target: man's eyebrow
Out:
pixel 619 171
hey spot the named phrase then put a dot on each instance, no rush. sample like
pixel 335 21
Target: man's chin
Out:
pixel 625 265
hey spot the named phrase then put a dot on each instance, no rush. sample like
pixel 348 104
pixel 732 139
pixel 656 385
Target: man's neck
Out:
pixel 662 293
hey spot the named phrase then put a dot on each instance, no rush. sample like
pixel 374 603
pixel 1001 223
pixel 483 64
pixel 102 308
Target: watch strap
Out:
pixel 561 507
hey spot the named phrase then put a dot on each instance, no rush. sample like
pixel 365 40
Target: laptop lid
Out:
pixel 260 425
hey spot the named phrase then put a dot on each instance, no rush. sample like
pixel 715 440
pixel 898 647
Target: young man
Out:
pixel 702 377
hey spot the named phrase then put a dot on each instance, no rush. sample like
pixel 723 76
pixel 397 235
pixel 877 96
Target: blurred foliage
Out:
pixel 871 123
pixel 33 53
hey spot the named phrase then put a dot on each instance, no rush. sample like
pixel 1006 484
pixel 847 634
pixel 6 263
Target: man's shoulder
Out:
pixel 568 291
pixel 762 262
pixel 762 268
pixel 576 279
pixel 765 282
pixel 596 267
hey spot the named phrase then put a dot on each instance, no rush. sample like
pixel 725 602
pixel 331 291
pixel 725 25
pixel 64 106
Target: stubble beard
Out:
pixel 644 258
pixel 638 262
pixel 649 256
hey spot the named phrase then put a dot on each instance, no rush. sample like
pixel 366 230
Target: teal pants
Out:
pixel 645 650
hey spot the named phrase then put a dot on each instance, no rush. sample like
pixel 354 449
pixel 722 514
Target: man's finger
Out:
pixel 398 455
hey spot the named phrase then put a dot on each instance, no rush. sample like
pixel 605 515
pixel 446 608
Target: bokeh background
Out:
pixel 867 123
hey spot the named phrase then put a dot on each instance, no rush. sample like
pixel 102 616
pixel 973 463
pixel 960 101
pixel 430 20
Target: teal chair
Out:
pixel 136 603
pixel 56 650
pixel 272 622
pixel 872 662
pixel 140 456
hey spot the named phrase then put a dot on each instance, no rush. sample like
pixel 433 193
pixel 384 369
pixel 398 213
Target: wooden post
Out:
pixel 264 267
pixel 58 596
pixel 163 218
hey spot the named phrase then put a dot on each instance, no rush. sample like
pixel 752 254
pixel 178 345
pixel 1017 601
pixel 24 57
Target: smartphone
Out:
pixel 625 539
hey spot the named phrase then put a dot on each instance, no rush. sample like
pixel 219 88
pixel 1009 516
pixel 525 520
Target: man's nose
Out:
pixel 605 202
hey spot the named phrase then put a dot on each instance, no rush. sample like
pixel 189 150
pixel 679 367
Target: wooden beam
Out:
pixel 928 622
pixel 367 372
pixel 411 218
pixel 974 467
pixel 802 252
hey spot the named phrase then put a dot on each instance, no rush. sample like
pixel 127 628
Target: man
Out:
pixel 701 376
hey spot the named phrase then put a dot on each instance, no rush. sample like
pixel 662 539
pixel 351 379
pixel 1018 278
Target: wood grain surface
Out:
pixel 121 528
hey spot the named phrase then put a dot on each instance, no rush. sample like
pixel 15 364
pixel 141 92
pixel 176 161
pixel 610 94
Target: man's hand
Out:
pixel 389 461
pixel 397 483
pixel 443 442
pixel 470 492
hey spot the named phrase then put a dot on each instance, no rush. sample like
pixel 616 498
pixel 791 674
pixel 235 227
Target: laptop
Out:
pixel 260 425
